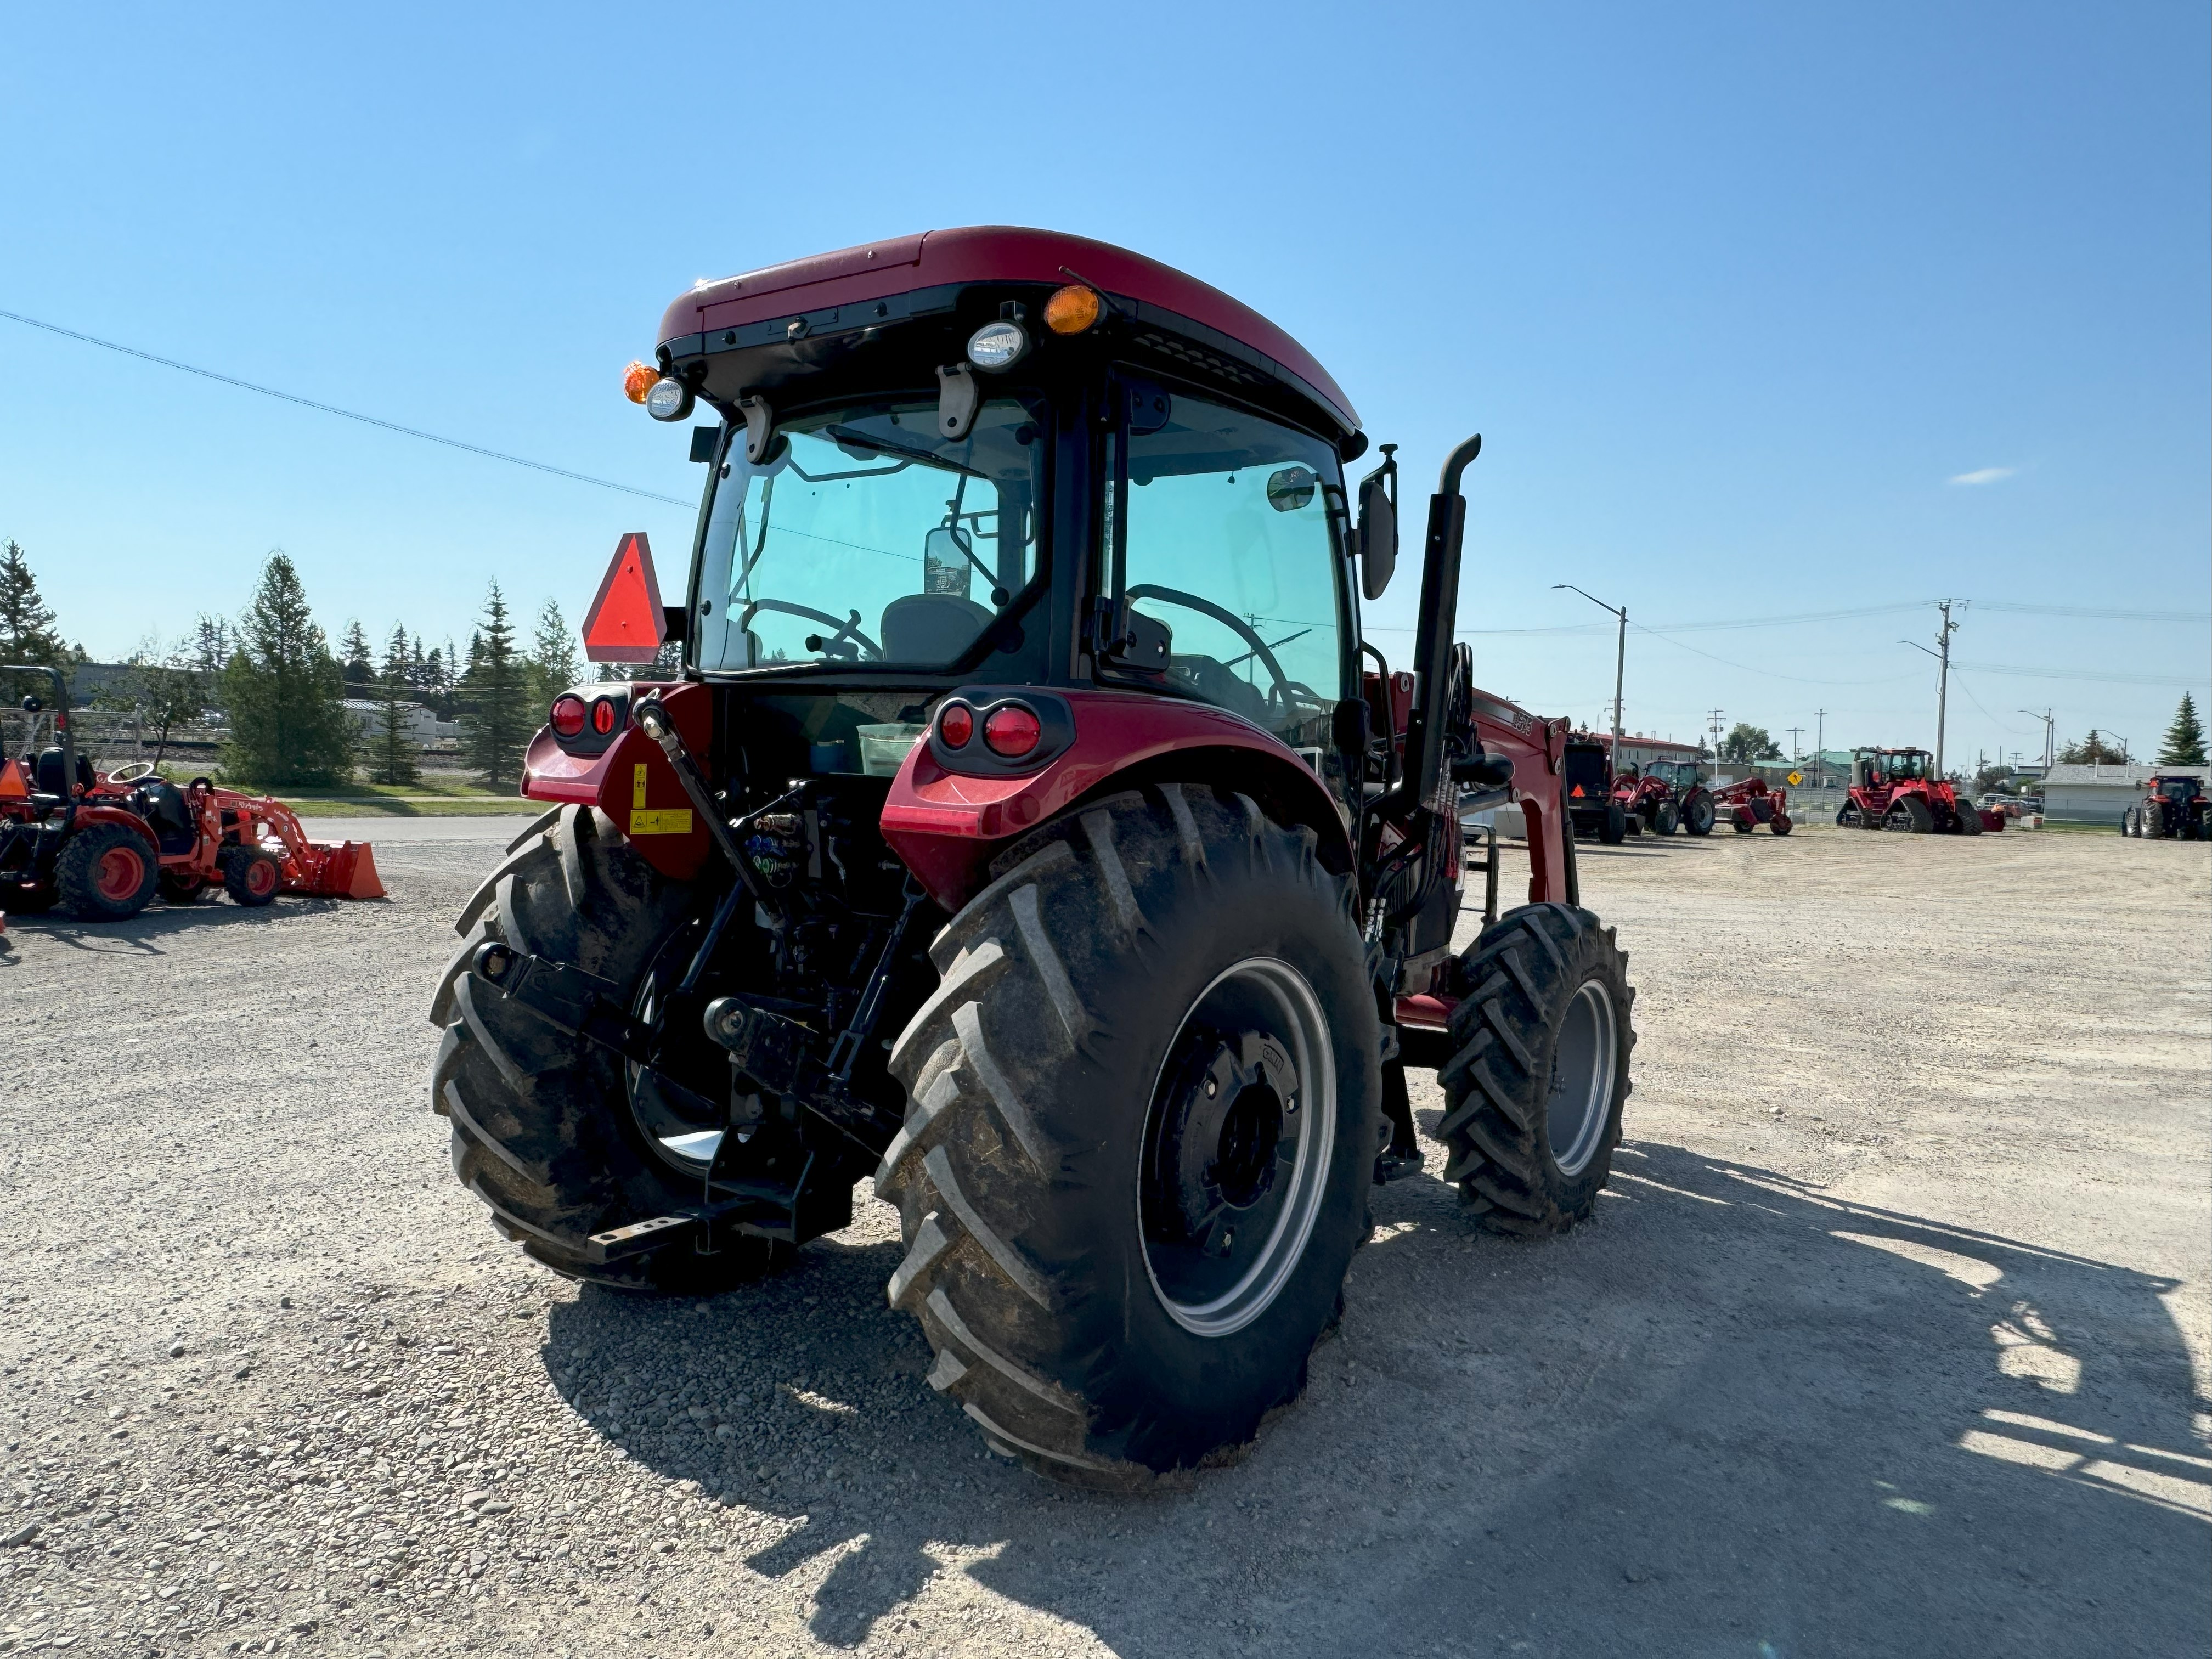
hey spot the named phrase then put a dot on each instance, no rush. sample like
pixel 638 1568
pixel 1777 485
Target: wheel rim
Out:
pixel 1580 1100
pixel 260 878
pixel 121 872
pixel 1230 1177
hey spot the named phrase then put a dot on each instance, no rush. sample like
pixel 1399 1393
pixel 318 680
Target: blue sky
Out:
pixel 1738 296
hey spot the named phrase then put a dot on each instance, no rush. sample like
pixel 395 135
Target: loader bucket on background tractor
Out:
pixel 345 870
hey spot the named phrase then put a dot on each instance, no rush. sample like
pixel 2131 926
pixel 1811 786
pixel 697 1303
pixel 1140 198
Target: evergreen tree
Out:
pixel 2092 751
pixel 284 691
pixel 392 747
pixel 2184 738
pixel 553 665
pixel 495 698
pixel 357 661
pixel 27 633
pixel 418 665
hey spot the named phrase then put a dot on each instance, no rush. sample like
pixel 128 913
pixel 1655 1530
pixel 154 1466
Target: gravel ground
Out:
pixel 1892 1335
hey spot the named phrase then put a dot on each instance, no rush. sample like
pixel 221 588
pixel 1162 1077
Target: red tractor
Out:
pixel 1897 789
pixel 100 845
pixel 1022 832
pixel 1665 796
pixel 2173 806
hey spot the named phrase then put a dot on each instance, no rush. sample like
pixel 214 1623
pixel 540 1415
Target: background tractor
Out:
pixel 1593 807
pixel 100 845
pixel 1896 789
pixel 1032 830
pixel 2172 806
pixel 1667 795
pixel 1750 802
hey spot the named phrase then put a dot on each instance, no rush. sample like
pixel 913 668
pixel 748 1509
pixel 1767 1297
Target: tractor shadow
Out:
pixel 145 933
pixel 1720 1416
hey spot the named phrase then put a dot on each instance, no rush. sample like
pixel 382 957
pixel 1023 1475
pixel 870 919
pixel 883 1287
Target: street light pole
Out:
pixel 2049 729
pixel 1619 663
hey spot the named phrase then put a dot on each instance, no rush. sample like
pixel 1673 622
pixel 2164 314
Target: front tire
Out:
pixel 542 1128
pixel 1144 1108
pixel 1781 823
pixel 1535 1089
pixel 252 875
pixel 1666 818
pixel 1616 827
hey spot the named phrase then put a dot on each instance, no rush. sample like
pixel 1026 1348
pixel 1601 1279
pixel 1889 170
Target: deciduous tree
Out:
pixel 1746 742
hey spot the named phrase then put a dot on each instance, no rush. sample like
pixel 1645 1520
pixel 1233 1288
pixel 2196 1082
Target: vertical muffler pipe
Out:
pixel 1426 784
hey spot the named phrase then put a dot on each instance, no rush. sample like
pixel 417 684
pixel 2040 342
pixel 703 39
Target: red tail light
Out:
pixel 956 725
pixel 566 716
pixel 603 716
pixel 1011 731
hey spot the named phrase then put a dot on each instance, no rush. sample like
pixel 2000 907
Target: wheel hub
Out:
pixel 1226 1129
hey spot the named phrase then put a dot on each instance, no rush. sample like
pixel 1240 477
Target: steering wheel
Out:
pixel 1280 690
pixel 849 624
pixel 134 773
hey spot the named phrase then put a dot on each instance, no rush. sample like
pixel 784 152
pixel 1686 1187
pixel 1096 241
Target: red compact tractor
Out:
pixel 100 845
pixel 2173 806
pixel 1897 789
pixel 1023 832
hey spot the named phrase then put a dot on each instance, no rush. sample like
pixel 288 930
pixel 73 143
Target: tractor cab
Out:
pixel 2180 790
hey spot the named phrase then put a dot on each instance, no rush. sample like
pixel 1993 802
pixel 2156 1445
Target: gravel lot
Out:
pixel 1893 1334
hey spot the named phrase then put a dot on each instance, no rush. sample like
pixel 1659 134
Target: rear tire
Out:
pixel 252 875
pixel 1616 827
pixel 1781 823
pixel 104 873
pixel 1070 1202
pixel 2150 823
pixel 1534 1093
pixel 543 1130
pixel 1698 814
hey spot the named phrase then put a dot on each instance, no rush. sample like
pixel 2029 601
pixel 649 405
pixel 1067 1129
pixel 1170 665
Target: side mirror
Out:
pixel 1378 538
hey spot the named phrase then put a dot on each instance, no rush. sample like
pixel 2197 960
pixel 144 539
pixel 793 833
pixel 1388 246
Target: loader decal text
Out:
pixel 645 821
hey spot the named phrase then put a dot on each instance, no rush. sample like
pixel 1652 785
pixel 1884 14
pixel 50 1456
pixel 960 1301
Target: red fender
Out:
pixel 632 782
pixel 85 816
pixel 948 826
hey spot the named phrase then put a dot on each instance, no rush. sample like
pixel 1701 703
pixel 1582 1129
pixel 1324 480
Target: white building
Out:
pixel 2097 793
pixel 421 726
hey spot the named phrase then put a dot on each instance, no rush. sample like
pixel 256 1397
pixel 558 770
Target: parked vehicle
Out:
pixel 2172 807
pixel 1666 795
pixel 1023 832
pixel 1897 789
pixel 100 845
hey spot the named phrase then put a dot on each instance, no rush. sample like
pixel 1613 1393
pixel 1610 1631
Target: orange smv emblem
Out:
pixel 1577 791
pixel 12 787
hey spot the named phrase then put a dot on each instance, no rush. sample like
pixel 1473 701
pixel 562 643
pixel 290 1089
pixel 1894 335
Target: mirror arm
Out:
pixel 760 427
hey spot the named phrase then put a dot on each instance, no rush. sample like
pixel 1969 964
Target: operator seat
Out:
pixel 930 627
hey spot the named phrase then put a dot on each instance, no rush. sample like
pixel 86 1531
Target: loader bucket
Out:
pixel 342 870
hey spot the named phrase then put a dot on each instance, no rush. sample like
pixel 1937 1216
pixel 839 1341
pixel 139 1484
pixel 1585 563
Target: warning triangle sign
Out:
pixel 624 624
pixel 1577 792
pixel 12 787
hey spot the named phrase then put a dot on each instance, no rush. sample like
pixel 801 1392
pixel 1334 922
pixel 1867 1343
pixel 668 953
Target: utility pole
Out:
pixel 1821 744
pixel 1619 664
pixel 1943 656
pixel 1715 715
pixel 1796 732
pixel 2050 735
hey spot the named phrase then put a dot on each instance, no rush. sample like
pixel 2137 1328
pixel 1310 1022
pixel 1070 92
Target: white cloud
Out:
pixel 1987 475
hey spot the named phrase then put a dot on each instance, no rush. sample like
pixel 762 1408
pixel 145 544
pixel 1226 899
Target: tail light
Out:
pixel 1011 731
pixel 956 725
pixel 603 716
pixel 566 716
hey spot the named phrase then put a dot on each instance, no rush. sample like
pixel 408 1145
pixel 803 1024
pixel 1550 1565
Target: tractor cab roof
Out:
pixel 766 327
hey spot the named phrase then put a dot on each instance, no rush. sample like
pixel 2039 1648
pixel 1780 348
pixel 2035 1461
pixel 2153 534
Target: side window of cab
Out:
pixel 1224 527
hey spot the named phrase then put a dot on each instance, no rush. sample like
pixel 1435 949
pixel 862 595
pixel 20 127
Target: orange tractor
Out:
pixel 1897 789
pixel 100 845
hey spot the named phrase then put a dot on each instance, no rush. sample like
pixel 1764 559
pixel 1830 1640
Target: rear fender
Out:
pixel 632 782
pixel 947 826
pixel 86 817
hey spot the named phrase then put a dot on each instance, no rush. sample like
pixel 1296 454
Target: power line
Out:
pixel 2084 674
pixel 344 414
pixel 2096 611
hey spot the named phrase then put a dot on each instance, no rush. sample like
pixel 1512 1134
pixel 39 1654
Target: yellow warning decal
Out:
pixel 637 785
pixel 666 821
